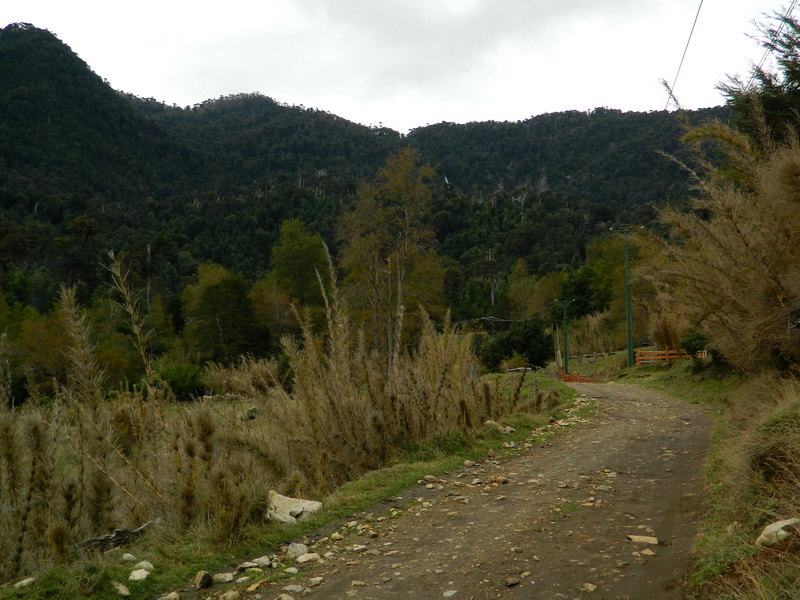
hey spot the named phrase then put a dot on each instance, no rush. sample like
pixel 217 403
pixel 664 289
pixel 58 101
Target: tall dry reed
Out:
pixel 96 460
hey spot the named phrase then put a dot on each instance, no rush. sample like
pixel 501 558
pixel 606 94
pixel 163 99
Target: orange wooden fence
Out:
pixel 646 357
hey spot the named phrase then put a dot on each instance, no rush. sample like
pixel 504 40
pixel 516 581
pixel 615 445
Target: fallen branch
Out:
pixel 120 537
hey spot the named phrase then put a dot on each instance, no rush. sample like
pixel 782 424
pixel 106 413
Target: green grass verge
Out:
pixel 713 389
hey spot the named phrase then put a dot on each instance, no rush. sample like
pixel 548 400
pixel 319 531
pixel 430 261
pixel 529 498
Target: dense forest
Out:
pixel 177 192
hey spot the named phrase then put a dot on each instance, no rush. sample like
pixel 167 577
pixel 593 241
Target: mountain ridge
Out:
pixel 153 149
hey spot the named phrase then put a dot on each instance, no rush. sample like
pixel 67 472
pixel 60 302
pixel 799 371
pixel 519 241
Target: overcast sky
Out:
pixel 408 63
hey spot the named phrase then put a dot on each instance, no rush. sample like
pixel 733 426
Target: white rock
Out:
pixel 203 580
pixel 293 589
pixel 336 536
pixel 589 587
pixel 263 561
pixel 222 577
pixel 289 510
pixel 307 557
pixel 285 597
pixel 230 595
pixel 120 588
pixel 296 549
pixel 147 566
pixel 171 596
pixel 501 428
pixel 291 570
pixel 647 552
pixel 247 565
pixel 315 581
pixel 450 593
pixel 242 580
pixel 128 557
pixel 24 583
pixel 775 533
pixel 643 539
pixel 139 575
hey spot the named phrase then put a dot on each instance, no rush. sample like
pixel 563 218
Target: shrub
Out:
pixel 527 339
pixel 185 381
pixel 693 341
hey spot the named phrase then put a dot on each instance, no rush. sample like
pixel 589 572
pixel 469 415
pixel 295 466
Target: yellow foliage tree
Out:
pixel 387 254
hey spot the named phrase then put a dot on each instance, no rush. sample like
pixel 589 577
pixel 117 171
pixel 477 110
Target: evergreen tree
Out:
pixel 766 105
pixel 221 324
pixel 299 259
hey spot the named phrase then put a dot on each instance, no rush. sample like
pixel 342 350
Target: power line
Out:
pixel 542 312
pixel 685 49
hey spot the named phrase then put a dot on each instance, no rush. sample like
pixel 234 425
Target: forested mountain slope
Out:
pixel 84 168
pixel 612 157
pixel 65 134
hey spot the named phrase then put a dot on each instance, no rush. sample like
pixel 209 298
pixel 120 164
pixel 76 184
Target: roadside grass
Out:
pixel 178 556
pixel 752 476
pixel 715 390
pixel 601 367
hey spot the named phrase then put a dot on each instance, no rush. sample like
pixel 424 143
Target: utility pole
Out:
pixel 626 236
pixel 564 304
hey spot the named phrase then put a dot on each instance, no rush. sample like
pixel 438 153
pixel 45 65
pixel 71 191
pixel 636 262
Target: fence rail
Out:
pixel 647 357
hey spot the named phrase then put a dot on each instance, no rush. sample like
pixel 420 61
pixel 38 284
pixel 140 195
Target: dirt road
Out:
pixel 552 522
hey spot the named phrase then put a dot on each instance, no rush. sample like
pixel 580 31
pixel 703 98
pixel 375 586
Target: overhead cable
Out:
pixel 685 49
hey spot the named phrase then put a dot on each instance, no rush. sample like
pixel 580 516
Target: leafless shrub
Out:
pixel 733 264
pixel 95 461
pixel 250 377
pixel 85 377
pixel 666 329
pixel 129 303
